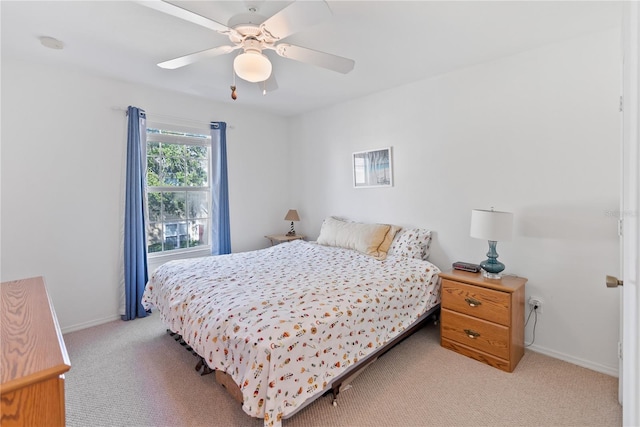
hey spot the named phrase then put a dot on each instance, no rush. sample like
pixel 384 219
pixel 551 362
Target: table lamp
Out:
pixel 292 215
pixel 495 227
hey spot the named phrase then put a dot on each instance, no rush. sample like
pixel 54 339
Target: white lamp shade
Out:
pixel 252 66
pixel 491 225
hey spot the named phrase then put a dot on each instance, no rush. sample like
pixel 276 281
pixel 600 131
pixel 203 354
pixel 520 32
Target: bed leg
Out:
pixel 335 392
pixel 206 370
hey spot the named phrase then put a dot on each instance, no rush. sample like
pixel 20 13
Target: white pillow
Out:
pixel 370 239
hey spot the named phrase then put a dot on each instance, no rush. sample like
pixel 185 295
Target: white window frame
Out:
pixel 202 250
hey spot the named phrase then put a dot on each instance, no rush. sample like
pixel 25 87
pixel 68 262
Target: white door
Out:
pixel 630 215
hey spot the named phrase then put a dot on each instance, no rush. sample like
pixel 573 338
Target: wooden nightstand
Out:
pixel 483 318
pixel 281 238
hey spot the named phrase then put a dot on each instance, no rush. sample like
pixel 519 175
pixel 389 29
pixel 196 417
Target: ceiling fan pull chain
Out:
pixel 234 96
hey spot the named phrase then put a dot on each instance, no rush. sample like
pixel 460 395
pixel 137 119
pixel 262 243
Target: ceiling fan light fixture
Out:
pixel 252 66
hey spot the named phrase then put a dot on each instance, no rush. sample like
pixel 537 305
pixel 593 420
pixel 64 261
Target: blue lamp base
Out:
pixel 491 266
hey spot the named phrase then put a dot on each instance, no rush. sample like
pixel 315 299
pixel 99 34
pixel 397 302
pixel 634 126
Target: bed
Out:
pixel 293 321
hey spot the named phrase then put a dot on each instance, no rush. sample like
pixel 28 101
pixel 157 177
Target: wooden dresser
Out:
pixel 483 318
pixel 34 357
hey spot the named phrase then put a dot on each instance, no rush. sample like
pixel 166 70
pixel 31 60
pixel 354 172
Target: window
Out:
pixel 178 190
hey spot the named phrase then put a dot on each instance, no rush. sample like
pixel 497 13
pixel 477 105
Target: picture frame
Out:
pixel 372 168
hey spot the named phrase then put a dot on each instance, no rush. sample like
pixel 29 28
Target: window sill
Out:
pixel 160 258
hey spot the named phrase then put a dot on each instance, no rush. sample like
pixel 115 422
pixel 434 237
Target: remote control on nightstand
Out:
pixel 466 266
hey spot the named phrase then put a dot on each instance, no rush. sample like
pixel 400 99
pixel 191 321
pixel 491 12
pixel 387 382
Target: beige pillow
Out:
pixel 370 239
pixel 388 239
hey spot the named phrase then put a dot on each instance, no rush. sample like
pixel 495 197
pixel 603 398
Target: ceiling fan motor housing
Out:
pixel 244 31
pixel 252 45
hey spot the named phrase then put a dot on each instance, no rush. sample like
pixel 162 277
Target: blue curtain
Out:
pixel 135 244
pixel 220 228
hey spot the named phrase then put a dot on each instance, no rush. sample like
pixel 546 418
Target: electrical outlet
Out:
pixel 536 302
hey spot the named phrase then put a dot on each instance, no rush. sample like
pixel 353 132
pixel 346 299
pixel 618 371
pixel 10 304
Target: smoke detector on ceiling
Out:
pixel 51 43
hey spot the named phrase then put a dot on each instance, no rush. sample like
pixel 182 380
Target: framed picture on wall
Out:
pixel 372 168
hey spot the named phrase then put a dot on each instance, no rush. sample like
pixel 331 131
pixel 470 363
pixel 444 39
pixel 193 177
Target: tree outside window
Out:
pixel 178 191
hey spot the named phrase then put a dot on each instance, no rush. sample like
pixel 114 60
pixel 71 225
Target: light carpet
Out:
pixel 134 374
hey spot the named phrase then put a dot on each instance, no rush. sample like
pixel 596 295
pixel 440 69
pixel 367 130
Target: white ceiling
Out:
pixel 392 42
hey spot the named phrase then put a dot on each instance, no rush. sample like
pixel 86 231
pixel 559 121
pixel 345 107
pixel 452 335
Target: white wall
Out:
pixel 536 134
pixel 63 154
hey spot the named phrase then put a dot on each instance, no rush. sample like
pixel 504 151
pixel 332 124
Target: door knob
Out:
pixel 613 282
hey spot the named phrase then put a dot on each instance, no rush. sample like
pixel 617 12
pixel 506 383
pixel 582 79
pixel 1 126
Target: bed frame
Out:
pixel 345 378
pixel 340 383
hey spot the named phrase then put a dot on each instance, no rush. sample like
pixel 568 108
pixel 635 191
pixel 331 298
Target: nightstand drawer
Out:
pixel 481 356
pixel 475 301
pixel 476 333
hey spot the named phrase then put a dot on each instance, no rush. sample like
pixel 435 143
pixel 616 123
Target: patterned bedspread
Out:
pixel 286 320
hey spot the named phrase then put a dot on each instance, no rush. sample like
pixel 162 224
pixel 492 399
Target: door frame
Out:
pixel 630 216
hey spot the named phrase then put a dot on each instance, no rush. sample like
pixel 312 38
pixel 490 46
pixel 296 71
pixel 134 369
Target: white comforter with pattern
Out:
pixel 286 320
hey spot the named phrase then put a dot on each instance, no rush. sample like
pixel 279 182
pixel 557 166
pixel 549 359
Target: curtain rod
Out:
pixel 164 116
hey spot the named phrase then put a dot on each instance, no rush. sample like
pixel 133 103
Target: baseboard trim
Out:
pixel 86 325
pixel 603 369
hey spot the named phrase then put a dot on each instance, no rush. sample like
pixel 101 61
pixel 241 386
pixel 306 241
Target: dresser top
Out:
pixel 32 346
pixel 505 284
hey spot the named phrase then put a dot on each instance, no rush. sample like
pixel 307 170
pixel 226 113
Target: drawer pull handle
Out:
pixel 473 302
pixel 471 333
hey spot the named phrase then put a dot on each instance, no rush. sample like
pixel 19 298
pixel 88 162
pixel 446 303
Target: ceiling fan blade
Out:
pixel 172 64
pixel 310 56
pixel 268 85
pixel 187 15
pixel 295 17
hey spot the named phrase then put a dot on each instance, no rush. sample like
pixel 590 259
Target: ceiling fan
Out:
pixel 253 33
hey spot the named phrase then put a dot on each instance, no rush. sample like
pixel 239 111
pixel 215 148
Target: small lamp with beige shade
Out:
pixel 292 216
